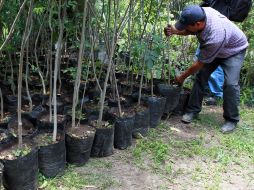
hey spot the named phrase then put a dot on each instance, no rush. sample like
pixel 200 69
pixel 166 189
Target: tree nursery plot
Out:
pixel 89 99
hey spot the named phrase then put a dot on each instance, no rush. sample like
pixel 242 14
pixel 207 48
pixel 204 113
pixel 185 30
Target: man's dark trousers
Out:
pixel 231 90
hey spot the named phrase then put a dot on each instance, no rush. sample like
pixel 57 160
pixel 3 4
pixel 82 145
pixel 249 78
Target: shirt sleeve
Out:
pixel 210 47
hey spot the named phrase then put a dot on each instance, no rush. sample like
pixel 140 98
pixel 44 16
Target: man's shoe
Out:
pixel 228 127
pixel 188 117
pixel 210 101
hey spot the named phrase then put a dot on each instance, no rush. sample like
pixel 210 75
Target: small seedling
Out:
pixel 21 151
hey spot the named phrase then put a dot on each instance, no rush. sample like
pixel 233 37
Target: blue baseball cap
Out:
pixel 190 15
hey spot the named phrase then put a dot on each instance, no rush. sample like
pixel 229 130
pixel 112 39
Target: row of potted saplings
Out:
pixel 74 145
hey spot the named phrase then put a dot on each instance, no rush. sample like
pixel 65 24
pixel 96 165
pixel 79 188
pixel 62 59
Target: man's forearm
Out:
pixel 182 33
pixel 195 67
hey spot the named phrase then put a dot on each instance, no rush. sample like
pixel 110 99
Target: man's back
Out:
pixel 220 38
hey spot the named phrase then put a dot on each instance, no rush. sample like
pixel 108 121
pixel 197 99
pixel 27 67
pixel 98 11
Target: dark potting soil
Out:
pixel 28 129
pixel 139 108
pixel 91 107
pixel 60 105
pixel 14 152
pixel 67 98
pixel 6 139
pixel 126 112
pixel 36 113
pixel 44 139
pixel 4 122
pixel 104 124
pixel 124 101
pixel 81 132
pixel 44 122
pixel 45 118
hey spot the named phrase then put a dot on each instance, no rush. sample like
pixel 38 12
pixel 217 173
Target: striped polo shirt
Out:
pixel 220 38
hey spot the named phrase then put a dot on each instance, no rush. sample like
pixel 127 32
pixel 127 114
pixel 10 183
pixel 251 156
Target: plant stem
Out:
pixel 110 52
pixel 57 62
pixel 24 41
pixel 79 68
pixel 13 25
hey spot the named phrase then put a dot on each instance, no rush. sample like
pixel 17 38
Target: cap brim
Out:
pixel 180 26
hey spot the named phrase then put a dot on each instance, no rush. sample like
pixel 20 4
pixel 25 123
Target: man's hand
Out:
pixel 168 30
pixel 195 67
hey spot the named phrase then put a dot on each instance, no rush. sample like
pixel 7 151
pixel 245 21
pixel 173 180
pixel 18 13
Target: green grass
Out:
pixel 220 151
pixel 71 180
pixel 76 178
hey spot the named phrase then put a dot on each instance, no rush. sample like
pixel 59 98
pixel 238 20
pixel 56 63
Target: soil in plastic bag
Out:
pixel 4 122
pixel 183 102
pixel 37 99
pixel 36 113
pixel 103 144
pixel 125 101
pixel 141 122
pixel 79 141
pixel 123 132
pixel 52 158
pixel 11 102
pixel 21 173
pixel 172 95
pixel 156 106
pixel 43 122
pixel 28 128
pixel 6 139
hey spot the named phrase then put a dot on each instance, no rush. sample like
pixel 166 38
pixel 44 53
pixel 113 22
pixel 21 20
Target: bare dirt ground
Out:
pixel 193 172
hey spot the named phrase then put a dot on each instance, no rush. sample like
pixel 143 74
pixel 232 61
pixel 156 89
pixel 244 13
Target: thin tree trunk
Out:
pixel 79 68
pixel 117 92
pixel 50 60
pixel 110 52
pixel 168 52
pixel 26 79
pixel 141 82
pixel 27 69
pixel 129 39
pixel 147 19
pixel 24 41
pixel 93 64
pixel 152 83
pixel 88 68
pixel 36 58
pixel 13 25
pixel 12 75
pixel 1 4
pixel 57 62
pixel 59 77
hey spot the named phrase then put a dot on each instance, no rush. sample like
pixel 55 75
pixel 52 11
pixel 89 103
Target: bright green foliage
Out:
pixel 21 151
pixel 70 180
